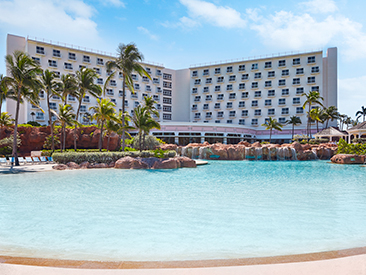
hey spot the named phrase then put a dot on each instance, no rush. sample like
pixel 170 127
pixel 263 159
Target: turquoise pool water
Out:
pixel 221 210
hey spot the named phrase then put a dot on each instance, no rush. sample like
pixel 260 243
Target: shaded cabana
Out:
pixel 332 134
pixel 357 131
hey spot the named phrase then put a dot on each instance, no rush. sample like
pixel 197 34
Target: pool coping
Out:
pixel 81 264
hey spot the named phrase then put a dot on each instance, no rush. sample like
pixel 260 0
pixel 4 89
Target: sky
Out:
pixel 181 33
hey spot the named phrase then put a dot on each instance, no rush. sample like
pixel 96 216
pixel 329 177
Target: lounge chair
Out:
pixel 36 160
pixel 3 161
pixel 29 160
pixel 22 160
pixel 43 159
pixel 50 159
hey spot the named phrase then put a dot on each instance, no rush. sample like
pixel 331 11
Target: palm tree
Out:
pixel 124 127
pixel 85 84
pixel 49 84
pixel 23 82
pixel 330 113
pixel 348 121
pixel 294 120
pixel 4 91
pixel 313 97
pixel 103 112
pixel 5 121
pixel 316 115
pixel 67 118
pixel 67 86
pixel 126 63
pixel 149 105
pixel 342 118
pixel 271 124
pixel 362 113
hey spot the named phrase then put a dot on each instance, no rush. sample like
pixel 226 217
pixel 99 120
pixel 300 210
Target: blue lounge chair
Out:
pixel 3 161
pixel 36 160
pixel 43 159
pixel 29 160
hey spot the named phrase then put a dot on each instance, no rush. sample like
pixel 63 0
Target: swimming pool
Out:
pixel 224 210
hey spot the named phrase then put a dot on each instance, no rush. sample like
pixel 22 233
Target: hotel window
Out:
pixel 194 107
pixel 311 79
pixel 271 92
pixel 83 108
pixel 311 59
pixel 37 60
pixel 114 83
pixel 268 65
pixel 167 84
pixel 217 121
pixel 241 104
pixel 208 114
pixel 146 79
pixel 72 56
pixel 257 75
pixel 41 94
pixel 206 72
pixel 315 69
pixel 100 61
pixel 52 63
pixel 268 102
pixel 266 120
pixel 136 104
pixel 299 110
pixel 285 91
pixel 205 106
pixel 167 76
pixel 242 86
pixel 229 87
pixel 257 94
pixel 285 111
pixel 208 97
pixel 197 98
pixel 255 66
pixel 167 108
pixel 86 99
pixel 114 101
pixel 299 90
pixel 285 72
pixel 229 69
pixel 254 121
pixel 40 116
pixel 195 73
pixel 217 106
pixel 147 88
pixel 81 67
pixel 167 116
pixel 158 72
pixel 282 101
pixel 229 105
pixel 72 98
pixel 232 77
pixel 232 95
pixel 220 97
pixel 296 81
pixel 229 121
pixel 220 79
pixel 57 74
pixel 244 95
pixel 296 61
pixel 217 88
pixel 220 114
pixel 53 106
pixel 232 113
pixel 282 120
pixel 206 89
pixel 254 85
pixel 98 71
pixel 268 84
pixel 315 88
pixel 168 100
pixel 271 112
pixel 56 97
pixel 68 66
pixel 271 74
pixel 257 112
pixel 241 68
pixel 134 77
pixel 296 100
pixel 241 121
pixel 255 103
pixel 208 80
pixel 86 58
pixel 156 97
pixel 282 82
pixel 244 76
pixel 39 50
pixel 194 90
pixel 300 71
pixel 244 113
pixel 281 63
pixel 100 81
pixel 217 70
pixel 137 86
pixel 110 92
pixel 56 53
pixel 156 80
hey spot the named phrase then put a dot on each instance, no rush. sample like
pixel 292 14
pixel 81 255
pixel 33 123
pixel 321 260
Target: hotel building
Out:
pixel 218 102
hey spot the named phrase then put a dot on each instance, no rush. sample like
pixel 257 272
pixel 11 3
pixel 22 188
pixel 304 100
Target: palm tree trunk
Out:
pixel 77 119
pixel 50 123
pixel 143 140
pixel 293 130
pixel 309 123
pixel 123 111
pixel 15 143
pixel 270 135
pixel 317 127
pixel 64 137
pixel 101 137
pixel 109 137
pixel 140 132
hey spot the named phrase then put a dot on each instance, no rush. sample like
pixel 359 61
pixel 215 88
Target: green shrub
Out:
pixel 6 145
pixel 303 141
pixel 318 140
pixel 359 140
pixel 345 148
pixel 34 123
pixel 264 142
pixel 48 153
pixel 129 149
pixel 151 142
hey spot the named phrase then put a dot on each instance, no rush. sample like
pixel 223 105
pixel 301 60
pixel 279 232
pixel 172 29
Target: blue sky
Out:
pixel 179 33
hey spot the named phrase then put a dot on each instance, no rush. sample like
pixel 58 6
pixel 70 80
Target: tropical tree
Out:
pixel 349 121
pixel 342 118
pixel 5 121
pixel 294 120
pixel 330 113
pixel 271 124
pixel 312 97
pixel 140 119
pixel 67 86
pixel 316 114
pixel 103 112
pixel 49 85
pixel 149 105
pixel 4 91
pixel 23 83
pixel 127 62
pixel 361 113
pixel 65 117
pixel 85 78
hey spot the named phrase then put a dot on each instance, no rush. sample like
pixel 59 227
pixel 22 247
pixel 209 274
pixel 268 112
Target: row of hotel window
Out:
pixel 258 94
pixel 270 74
pixel 86 59
pixel 244 113
pixel 113 83
pixel 254 103
pixel 254 66
pixel 254 121
pixel 267 83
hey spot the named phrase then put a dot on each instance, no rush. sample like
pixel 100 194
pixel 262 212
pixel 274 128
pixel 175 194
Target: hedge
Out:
pixel 318 140
pixel 103 157
pixel 48 153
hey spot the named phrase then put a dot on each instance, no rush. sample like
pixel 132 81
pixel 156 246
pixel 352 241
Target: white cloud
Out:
pixel 350 98
pixel 216 15
pixel 115 3
pixel 148 33
pixel 61 20
pixel 319 6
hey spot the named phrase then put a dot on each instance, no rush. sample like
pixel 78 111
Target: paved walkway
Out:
pixel 23 168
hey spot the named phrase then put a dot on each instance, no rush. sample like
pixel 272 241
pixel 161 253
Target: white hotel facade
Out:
pixel 222 102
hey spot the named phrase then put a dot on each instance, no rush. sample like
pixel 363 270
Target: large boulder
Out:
pixel 130 163
pixel 98 165
pixel 348 159
pixel 297 146
pixel 168 146
pixel 306 155
pixel 236 152
pixel 84 165
pixel 186 162
pixel 171 163
pixel 73 165
pixel 257 144
pixel 60 167
pixel 245 143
